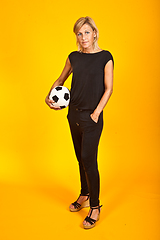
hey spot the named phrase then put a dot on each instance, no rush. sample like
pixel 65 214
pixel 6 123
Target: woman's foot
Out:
pixel 92 218
pixel 81 202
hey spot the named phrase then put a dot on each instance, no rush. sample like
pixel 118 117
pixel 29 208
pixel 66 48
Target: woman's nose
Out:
pixel 83 36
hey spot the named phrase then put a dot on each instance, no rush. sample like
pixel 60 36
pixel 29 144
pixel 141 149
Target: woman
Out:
pixel 91 88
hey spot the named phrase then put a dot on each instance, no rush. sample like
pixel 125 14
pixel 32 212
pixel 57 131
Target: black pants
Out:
pixel 85 135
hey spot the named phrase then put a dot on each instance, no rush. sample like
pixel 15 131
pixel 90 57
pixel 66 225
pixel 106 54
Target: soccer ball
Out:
pixel 61 96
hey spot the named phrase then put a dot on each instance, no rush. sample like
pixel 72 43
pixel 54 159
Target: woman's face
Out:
pixel 85 37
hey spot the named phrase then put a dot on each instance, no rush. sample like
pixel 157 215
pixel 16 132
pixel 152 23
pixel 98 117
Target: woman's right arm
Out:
pixel 59 82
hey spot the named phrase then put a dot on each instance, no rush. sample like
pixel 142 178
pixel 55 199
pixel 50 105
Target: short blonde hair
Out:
pixel 86 20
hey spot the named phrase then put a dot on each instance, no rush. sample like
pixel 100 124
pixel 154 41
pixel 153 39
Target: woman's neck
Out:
pixel 91 50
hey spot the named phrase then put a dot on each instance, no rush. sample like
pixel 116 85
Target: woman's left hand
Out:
pixel 94 117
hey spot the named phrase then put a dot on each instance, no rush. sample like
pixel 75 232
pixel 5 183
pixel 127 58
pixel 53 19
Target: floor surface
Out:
pixel 41 212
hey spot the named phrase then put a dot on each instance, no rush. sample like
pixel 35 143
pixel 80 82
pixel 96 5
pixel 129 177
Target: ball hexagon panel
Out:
pixel 66 96
pixel 58 88
pixel 55 98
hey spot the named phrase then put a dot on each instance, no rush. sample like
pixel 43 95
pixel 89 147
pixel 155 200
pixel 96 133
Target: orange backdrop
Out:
pixel 36 147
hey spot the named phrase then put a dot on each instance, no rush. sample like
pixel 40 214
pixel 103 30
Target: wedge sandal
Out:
pixel 91 220
pixel 78 206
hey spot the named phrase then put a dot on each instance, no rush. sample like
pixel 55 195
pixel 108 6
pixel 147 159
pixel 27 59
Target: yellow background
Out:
pixel 38 171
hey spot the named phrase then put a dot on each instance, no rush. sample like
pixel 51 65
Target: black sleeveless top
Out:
pixel 87 85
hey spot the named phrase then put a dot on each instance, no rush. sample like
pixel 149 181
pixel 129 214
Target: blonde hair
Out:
pixel 86 20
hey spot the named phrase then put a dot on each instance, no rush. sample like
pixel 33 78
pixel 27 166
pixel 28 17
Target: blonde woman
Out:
pixel 91 88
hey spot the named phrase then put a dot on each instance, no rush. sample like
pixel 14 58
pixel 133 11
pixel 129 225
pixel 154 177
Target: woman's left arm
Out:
pixel 108 83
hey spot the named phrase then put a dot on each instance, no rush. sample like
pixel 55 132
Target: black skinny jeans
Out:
pixel 85 135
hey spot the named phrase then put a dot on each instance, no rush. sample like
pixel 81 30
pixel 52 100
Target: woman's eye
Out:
pixel 87 32
pixel 79 34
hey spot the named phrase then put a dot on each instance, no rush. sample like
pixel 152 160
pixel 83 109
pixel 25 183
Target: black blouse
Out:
pixel 87 85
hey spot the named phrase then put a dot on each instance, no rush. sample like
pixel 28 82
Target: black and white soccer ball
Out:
pixel 61 96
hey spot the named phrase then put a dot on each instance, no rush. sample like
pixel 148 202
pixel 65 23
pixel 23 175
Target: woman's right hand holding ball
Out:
pixel 50 102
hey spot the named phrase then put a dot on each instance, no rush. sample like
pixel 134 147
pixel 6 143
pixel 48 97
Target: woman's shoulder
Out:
pixel 108 56
pixel 73 53
pixel 107 52
pixel 73 56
